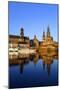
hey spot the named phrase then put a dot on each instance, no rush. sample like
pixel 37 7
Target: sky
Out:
pixel 34 18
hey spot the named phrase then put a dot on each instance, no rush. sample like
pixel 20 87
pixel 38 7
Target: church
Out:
pixel 18 43
pixel 47 42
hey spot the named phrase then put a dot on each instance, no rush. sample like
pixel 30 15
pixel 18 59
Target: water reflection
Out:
pixel 47 60
pixel 40 69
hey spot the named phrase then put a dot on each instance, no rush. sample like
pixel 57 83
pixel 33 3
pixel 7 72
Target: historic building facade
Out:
pixel 23 41
pixel 17 43
pixel 48 42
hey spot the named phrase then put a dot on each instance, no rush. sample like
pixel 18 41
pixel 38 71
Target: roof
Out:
pixel 15 36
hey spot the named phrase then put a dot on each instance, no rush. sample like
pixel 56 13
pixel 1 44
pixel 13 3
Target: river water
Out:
pixel 34 71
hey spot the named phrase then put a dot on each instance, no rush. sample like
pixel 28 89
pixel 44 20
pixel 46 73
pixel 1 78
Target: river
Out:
pixel 34 71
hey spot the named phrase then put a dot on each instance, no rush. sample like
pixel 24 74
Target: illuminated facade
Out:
pixel 21 43
pixel 47 41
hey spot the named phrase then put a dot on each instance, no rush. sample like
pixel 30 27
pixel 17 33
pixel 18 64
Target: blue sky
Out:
pixel 34 18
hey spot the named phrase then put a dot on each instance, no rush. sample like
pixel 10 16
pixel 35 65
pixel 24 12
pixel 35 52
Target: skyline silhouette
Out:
pixel 34 18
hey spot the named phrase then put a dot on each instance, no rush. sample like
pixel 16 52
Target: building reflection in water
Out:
pixel 47 61
pixel 22 63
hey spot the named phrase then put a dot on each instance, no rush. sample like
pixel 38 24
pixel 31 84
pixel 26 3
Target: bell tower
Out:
pixel 21 35
pixel 22 32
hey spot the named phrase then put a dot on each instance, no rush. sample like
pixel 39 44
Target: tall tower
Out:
pixel 48 31
pixel 22 35
pixel 22 32
pixel 49 38
pixel 44 36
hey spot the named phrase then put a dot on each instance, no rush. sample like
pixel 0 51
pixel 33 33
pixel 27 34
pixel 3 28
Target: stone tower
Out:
pixel 22 35
pixel 48 37
pixel 36 42
pixel 48 32
pixel 22 32
pixel 44 36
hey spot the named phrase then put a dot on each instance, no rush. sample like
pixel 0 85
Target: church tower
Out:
pixel 44 36
pixel 49 38
pixel 22 32
pixel 48 32
pixel 22 35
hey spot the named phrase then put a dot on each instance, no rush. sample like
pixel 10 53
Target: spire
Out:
pixel 43 35
pixel 34 36
pixel 48 31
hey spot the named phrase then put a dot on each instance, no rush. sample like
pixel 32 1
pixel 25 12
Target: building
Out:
pixel 36 42
pixel 18 42
pixel 47 42
pixel 23 44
